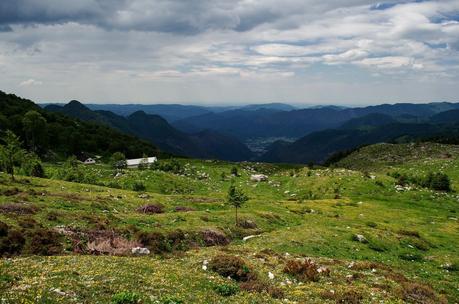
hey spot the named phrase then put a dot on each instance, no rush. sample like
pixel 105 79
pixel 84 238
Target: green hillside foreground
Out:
pixel 410 254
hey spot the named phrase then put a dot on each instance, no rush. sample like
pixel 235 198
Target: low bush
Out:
pixel 417 293
pixel 12 243
pixel 3 229
pixel 156 242
pixel 138 186
pixel 126 297
pixel 44 242
pixel 349 297
pixel 214 238
pixel 151 208
pixel 413 257
pixel 259 286
pixel 305 270
pixel 247 224
pixel 233 267
pixel 18 208
pixel 226 290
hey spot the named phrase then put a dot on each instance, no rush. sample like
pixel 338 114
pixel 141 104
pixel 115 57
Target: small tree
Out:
pixel 11 152
pixel 236 198
pixel 118 161
pixel 234 171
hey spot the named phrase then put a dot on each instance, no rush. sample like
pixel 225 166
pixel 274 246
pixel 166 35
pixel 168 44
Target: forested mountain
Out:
pixel 49 133
pixel 155 129
pixel 369 129
pixel 297 123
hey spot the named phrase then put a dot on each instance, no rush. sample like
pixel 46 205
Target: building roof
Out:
pixel 136 161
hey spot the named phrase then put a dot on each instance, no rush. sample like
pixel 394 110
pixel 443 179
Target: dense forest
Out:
pixel 53 135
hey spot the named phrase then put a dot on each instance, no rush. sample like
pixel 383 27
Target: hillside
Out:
pixel 64 136
pixel 380 156
pixel 83 234
pixel 155 129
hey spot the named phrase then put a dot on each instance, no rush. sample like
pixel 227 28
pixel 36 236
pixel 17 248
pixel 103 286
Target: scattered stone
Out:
pixel 140 251
pixel 258 178
pixel 270 275
pixel 249 237
pixel 360 238
pixel 144 196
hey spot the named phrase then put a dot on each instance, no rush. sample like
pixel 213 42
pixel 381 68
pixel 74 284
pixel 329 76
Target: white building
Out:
pixel 134 163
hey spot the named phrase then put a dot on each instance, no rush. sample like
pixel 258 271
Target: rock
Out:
pixel 360 238
pixel 270 275
pixel 249 237
pixel 144 196
pixel 140 251
pixel 258 178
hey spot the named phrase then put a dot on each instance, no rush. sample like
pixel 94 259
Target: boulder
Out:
pixel 360 238
pixel 140 251
pixel 258 178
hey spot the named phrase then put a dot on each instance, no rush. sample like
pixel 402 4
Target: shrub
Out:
pixel 171 300
pixel 151 208
pixel 305 270
pixel 417 293
pixel 214 238
pixel 349 297
pixel 3 229
pixel 155 241
pixel 258 286
pixel 247 224
pixel 437 181
pixel 138 186
pixel 233 267
pixel 125 297
pixel 44 242
pixel 226 290
pixel 12 243
pixel 414 257
pixel 18 208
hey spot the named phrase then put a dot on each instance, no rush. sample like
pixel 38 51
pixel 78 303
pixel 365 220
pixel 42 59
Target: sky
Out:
pixel 220 52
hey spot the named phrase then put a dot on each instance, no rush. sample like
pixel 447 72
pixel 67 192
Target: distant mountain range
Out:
pixel 317 132
pixel 204 144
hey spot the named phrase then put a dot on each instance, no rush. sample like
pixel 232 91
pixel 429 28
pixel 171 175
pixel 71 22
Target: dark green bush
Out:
pixel 138 186
pixel 226 290
pixel 44 242
pixel 233 267
pixel 12 243
pixel 126 297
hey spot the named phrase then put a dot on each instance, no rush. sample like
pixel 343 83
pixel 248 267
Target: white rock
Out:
pixel 258 178
pixel 140 251
pixel 249 237
pixel 270 275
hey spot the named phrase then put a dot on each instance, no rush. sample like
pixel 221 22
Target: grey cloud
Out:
pixel 172 16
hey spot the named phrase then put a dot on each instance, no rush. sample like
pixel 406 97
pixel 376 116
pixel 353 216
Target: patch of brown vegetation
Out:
pixel 11 191
pixel 184 209
pixel 151 209
pixel 410 233
pixel 233 267
pixel 214 238
pixel 18 208
pixel 247 224
pixel 305 270
pixel 350 296
pixel 420 294
pixel 112 246
pixel 258 286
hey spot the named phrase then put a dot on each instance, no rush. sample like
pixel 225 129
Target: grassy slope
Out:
pixel 281 209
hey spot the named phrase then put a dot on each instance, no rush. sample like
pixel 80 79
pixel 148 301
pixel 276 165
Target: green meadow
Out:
pixel 369 240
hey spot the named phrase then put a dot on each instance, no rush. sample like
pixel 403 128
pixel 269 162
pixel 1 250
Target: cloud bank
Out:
pixel 217 51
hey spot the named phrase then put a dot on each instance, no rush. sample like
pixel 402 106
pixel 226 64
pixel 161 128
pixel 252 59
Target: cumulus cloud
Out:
pixel 30 82
pixel 93 46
